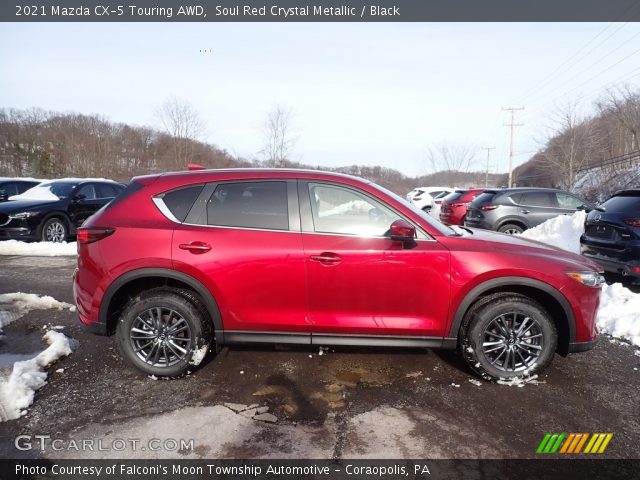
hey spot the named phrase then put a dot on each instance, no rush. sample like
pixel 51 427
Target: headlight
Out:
pixel 24 215
pixel 588 278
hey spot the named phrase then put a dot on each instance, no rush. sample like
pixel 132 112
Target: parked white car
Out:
pixel 423 197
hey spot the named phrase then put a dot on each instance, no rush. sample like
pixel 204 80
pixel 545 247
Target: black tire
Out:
pixel 507 336
pixel 55 230
pixel 172 332
pixel 511 228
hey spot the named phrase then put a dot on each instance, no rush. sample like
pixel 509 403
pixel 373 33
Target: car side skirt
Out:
pixel 235 336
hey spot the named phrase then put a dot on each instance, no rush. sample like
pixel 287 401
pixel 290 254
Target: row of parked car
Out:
pixel 611 231
pixel 50 210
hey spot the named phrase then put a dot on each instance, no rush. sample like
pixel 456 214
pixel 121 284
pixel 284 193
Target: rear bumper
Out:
pixel 628 265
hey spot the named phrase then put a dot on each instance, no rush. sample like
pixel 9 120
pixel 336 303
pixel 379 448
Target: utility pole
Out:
pixel 512 125
pixel 486 177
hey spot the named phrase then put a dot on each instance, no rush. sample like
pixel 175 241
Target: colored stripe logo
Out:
pixel 573 443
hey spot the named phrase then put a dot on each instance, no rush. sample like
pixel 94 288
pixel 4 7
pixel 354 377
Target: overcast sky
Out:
pixel 374 94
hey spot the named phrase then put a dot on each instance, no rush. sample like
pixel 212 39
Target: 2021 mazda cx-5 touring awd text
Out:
pixel 182 262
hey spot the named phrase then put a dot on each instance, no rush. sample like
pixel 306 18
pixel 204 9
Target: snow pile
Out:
pixel 562 231
pixel 40 249
pixel 619 313
pixel 18 391
pixel 15 305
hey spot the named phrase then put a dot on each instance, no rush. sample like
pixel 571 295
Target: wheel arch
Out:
pixel 549 297
pixel 131 283
pixel 512 221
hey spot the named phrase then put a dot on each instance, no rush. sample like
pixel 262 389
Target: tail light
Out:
pixel 632 222
pixel 93 234
pixel 486 208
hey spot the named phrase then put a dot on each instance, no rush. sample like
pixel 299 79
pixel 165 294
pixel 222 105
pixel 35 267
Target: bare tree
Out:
pixel 451 157
pixel 183 123
pixel 278 136
pixel 571 146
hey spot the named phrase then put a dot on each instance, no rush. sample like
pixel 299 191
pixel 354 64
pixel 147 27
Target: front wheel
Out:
pixel 54 230
pixel 508 336
pixel 164 332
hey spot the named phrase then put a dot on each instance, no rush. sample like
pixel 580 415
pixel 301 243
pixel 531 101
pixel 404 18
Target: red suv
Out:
pixel 454 205
pixel 181 262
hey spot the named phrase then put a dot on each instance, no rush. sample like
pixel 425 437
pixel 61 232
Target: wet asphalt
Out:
pixel 446 412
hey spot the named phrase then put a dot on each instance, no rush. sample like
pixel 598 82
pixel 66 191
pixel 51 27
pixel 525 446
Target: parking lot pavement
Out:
pixel 345 403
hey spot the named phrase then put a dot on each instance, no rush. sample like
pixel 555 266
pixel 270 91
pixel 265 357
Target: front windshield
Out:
pixel 445 230
pixel 47 191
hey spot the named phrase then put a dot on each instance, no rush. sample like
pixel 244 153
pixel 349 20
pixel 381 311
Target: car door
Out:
pixel 361 282
pixel 242 240
pixel 538 207
pixel 83 203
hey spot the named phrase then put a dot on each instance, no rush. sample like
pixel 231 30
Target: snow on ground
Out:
pixel 17 392
pixel 619 313
pixel 38 249
pixel 15 305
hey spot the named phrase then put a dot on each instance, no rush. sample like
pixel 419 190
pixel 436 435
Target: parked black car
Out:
pixel 15 186
pixel 53 210
pixel 612 234
pixel 514 210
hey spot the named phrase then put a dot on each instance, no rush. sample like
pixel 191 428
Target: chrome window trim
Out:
pixel 159 203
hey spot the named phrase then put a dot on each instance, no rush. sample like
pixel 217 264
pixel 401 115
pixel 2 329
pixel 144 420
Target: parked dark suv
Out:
pixel 612 234
pixel 514 210
pixel 53 210
pixel 181 262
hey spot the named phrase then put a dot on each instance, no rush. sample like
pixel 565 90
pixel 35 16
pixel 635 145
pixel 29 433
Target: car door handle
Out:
pixel 525 211
pixel 195 247
pixel 326 258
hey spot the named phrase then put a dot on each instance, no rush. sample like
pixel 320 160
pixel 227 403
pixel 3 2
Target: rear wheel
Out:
pixel 164 332
pixel 511 229
pixel 508 336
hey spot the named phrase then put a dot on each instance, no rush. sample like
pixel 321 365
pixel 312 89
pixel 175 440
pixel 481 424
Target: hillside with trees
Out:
pixel 44 144
pixel 592 155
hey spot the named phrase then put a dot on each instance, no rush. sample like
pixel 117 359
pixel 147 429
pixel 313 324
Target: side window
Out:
pixel 180 201
pixel 9 189
pixel 343 211
pixel 105 191
pixel 568 202
pixel 516 198
pixel 88 191
pixel 538 199
pixel 249 205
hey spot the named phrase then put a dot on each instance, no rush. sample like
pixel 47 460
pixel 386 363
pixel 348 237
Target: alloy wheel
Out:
pixel 512 342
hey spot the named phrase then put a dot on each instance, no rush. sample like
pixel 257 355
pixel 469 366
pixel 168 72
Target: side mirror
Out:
pixel 79 198
pixel 402 231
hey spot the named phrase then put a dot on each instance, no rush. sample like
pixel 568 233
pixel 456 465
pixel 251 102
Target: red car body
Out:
pixel 298 285
pixel 454 205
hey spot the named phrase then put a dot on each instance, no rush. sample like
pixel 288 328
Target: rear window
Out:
pixel 623 204
pixel 452 197
pixel 538 199
pixel 484 198
pixel 180 201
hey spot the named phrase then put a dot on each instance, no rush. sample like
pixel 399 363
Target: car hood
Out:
pixel 17 206
pixel 517 244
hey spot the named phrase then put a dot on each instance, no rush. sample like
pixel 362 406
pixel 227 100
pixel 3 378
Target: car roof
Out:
pixel 627 192
pixel 521 189
pixel 230 173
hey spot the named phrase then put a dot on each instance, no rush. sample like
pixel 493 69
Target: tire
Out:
pixel 54 230
pixel 507 336
pixel 153 347
pixel 511 229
